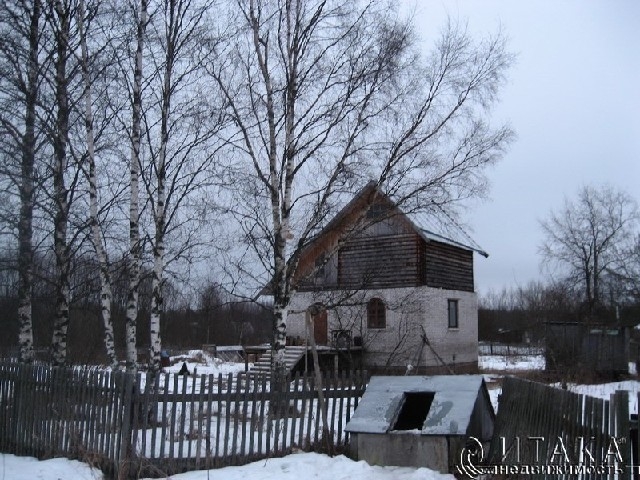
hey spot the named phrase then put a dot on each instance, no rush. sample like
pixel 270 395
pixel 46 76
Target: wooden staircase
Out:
pixel 292 355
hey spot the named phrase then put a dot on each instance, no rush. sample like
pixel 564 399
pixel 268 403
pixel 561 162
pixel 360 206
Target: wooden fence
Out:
pixel 573 436
pixel 506 349
pixel 131 426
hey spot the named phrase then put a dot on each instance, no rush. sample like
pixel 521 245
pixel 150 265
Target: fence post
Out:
pixel 620 417
pixel 124 457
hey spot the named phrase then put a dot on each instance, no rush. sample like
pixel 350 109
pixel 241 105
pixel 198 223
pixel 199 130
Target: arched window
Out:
pixel 376 314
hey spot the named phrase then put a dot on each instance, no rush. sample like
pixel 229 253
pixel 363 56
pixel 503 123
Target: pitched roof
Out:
pixel 436 225
pixel 442 228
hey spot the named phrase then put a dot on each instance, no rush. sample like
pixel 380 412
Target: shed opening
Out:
pixel 414 410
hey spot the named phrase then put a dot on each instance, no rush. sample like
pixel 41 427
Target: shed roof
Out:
pixel 450 412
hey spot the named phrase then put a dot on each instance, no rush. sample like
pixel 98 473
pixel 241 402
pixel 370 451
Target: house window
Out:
pixel 321 261
pixel 376 314
pixel 453 313
pixel 377 211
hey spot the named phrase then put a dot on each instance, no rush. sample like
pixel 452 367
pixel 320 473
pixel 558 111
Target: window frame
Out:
pixel 376 314
pixel 453 302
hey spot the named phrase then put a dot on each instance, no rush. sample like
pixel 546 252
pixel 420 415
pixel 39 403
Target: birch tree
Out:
pixel 59 19
pixel 590 237
pixel 134 179
pixel 96 234
pixel 179 130
pixel 329 95
pixel 20 77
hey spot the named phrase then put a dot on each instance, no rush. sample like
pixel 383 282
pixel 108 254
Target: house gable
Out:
pixel 371 243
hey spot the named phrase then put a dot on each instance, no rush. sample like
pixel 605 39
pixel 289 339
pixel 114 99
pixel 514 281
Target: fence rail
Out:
pixel 490 348
pixel 138 425
pixel 582 436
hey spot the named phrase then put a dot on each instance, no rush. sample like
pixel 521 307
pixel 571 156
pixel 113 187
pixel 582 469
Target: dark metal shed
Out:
pixel 420 421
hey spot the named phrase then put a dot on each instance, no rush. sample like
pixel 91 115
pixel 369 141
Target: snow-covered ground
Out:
pixel 291 467
pixel 29 468
pixel 604 390
pixel 200 363
pixel 511 362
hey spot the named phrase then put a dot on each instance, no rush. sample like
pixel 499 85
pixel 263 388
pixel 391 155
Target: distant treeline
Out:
pixel 215 318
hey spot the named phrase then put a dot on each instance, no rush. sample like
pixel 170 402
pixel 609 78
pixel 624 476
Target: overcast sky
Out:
pixel 573 99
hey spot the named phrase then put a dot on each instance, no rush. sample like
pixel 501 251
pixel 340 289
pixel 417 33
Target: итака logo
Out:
pixel 540 456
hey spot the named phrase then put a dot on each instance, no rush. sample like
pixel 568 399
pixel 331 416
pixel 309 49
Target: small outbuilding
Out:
pixel 420 421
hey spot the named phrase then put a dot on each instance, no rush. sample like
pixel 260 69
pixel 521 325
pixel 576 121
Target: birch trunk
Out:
pixel 279 217
pixel 61 206
pixel 157 299
pixel 25 225
pixel 134 209
pixel 96 236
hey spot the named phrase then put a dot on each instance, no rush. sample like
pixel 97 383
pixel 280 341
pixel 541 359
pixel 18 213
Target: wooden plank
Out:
pixel 334 384
pixel 191 431
pixel 26 401
pixel 124 443
pixel 251 385
pixel 621 405
pixel 105 439
pixel 200 423
pixel 341 385
pixel 344 381
pixel 598 428
pixel 62 404
pixel 165 416
pixel 134 408
pixel 18 409
pixel 275 414
pixel 4 407
pixel 312 410
pixel 172 418
pixel 227 425
pixel 245 421
pixel 81 410
pixel 263 404
pixel 219 422
pixel 182 427
pixel 294 409
pixel 304 410
pixel 236 414
pixel 92 387
pixel 286 398
pixel 145 407
pixel 210 380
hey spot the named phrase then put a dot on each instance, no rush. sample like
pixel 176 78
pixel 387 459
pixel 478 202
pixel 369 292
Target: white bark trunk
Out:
pixel 25 225
pixel 134 215
pixel 61 207
pixel 96 236
pixel 279 217
pixel 157 298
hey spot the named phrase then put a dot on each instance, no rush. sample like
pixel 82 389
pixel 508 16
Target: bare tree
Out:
pixel 84 17
pixel 135 246
pixel 179 128
pixel 327 95
pixel 60 18
pixel 588 238
pixel 20 47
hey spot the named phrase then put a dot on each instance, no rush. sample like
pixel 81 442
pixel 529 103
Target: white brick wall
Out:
pixel 411 314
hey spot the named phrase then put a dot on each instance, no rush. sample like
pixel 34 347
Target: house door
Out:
pixel 320 326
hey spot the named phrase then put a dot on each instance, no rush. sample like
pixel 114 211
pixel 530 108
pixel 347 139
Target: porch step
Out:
pixel 292 355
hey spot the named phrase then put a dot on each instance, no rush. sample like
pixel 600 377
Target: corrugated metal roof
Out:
pixel 442 228
pixel 449 414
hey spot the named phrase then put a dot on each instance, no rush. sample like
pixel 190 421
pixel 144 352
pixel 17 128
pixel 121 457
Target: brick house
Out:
pixel 394 290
